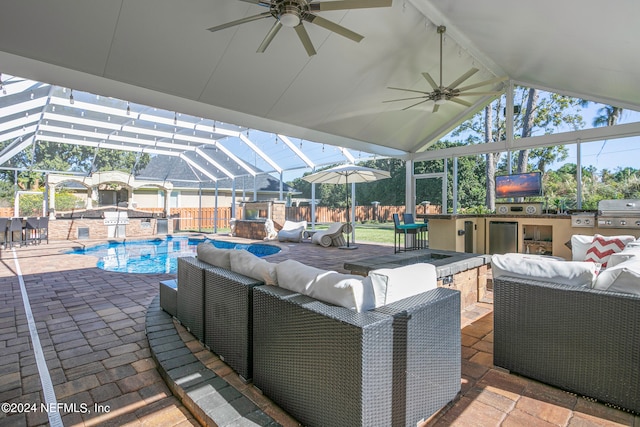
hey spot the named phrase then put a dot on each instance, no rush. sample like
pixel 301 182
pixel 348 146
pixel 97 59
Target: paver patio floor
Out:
pixel 90 324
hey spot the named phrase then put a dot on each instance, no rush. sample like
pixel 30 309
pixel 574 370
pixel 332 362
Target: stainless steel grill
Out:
pixel 623 213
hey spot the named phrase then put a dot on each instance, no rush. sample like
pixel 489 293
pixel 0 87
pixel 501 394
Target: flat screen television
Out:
pixel 519 185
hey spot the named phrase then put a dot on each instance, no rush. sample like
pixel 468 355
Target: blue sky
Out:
pixel 609 154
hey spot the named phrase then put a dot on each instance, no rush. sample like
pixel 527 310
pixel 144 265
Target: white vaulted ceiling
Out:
pixel 159 53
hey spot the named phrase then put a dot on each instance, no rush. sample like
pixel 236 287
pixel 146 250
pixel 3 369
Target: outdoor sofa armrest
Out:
pixel 228 323
pixel 214 304
pixel 330 365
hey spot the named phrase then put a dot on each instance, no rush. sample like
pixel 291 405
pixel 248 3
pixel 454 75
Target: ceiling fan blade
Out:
pixel 417 103
pixel 493 93
pixel 332 26
pixel 304 38
pixel 436 107
pixel 460 101
pixel 265 3
pixel 348 4
pixel 270 35
pixel 406 99
pixel 409 90
pixel 432 82
pixel 486 82
pixel 240 21
pixel 463 77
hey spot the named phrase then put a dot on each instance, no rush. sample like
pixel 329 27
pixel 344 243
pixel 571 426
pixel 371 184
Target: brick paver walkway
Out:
pixel 90 323
pixel 91 327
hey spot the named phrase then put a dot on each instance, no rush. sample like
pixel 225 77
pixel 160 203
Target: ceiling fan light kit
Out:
pixel 440 93
pixel 292 14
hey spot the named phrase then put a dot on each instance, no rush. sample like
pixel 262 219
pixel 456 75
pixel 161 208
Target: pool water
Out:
pixel 158 255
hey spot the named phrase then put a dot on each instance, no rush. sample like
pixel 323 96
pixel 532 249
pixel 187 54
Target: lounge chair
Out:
pixel 333 236
pixel 292 231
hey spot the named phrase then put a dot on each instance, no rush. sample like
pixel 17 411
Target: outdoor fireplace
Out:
pixel 255 216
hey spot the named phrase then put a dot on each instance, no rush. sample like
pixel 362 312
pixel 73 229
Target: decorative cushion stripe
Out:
pixel 602 247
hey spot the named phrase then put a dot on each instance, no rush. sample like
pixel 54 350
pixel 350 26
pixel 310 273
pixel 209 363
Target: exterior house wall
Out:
pixel 146 198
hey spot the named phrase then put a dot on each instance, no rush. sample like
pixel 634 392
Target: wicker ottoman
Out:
pixel 169 296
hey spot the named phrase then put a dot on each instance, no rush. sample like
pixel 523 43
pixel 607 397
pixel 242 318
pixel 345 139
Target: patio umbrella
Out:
pixel 343 175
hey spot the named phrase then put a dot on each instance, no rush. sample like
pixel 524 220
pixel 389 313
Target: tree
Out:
pixel 533 113
pixel 65 157
pixel 607 116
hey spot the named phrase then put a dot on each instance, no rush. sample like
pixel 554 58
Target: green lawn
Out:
pixel 371 233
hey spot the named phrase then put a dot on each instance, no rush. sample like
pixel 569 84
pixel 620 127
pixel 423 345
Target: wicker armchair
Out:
pixel 328 365
pixel 578 339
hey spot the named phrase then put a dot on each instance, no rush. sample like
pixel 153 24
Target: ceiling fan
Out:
pixel 291 13
pixel 441 94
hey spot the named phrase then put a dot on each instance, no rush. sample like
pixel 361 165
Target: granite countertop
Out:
pixel 447 263
pixel 461 216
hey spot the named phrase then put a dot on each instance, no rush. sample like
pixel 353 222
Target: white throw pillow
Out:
pixel 630 251
pixel 295 276
pixel 603 246
pixel 523 266
pixel 624 277
pixel 245 263
pixel 344 290
pixel 579 245
pixel 394 284
pixel 208 253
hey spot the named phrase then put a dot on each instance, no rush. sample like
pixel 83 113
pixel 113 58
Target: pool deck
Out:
pixel 90 325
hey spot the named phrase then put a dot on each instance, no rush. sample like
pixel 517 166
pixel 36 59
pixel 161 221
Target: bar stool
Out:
pixel 32 230
pixel 419 230
pixel 15 226
pixel 4 223
pixel 43 229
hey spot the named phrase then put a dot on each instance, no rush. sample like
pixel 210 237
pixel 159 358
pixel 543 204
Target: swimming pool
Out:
pixel 158 255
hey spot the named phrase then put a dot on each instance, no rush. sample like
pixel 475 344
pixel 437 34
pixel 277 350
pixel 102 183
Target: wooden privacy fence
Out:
pixel 191 219
pixel 378 213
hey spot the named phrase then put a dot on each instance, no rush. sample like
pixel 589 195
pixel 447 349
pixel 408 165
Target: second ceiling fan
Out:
pixel 291 13
pixel 440 93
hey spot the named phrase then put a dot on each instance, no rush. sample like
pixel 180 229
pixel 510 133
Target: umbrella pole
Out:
pixel 346 183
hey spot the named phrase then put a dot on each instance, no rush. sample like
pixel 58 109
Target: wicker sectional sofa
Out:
pixel 577 338
pixel 325 364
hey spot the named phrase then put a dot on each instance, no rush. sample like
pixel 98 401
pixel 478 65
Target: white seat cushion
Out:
pixel 623 277
pixel 523 266
pixel 345 290
pixel 245 263
pixel 630 251
pixel 394 284
pixel 208 253
pixel 295 276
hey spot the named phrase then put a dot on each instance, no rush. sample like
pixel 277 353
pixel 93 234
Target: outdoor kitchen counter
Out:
pixel 471 233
